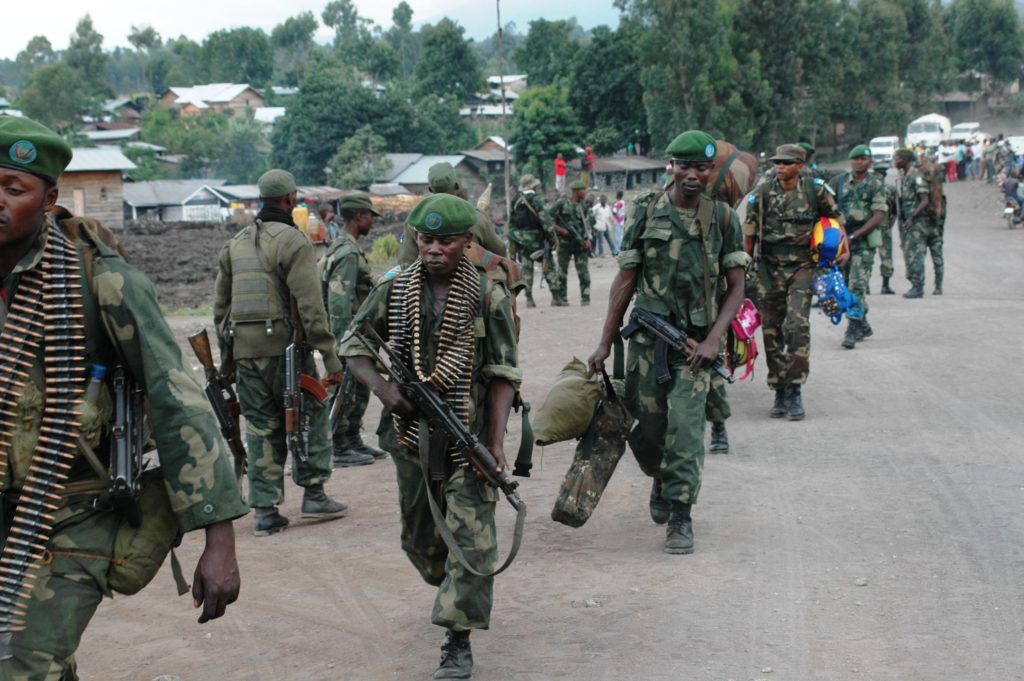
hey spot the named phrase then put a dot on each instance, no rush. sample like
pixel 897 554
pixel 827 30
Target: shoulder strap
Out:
pixel 707 211
pixel 723 172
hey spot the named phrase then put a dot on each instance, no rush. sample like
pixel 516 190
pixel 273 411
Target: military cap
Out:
pixel 578 184
pixel 527 181
pixel 904 152
pixel 33 148
pixel 442 177
pixel 860 150
pixel 807 147
pixel 789 152
pixel 692 145
pixel 442 215
pixel 276 183
pixel 357 201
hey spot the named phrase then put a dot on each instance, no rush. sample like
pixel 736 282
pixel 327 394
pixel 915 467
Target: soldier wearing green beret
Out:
pixel 679 248
pixel 440 297
pixel 861 199
pixel 267 286
pixel 921 208
pixel 575 234
pixel 781 215
pixel 68 296
pixel 346 280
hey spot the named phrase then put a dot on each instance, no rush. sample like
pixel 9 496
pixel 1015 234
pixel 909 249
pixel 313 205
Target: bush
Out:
pixel 384 253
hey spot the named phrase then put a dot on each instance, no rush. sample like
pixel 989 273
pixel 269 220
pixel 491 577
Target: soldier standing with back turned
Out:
pixel 530 229
pixel 572 224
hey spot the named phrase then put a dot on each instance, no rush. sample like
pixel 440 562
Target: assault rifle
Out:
pixel 222 398
pixel 296 383
pixel 666 335
pixel 341 397
pixel 127 441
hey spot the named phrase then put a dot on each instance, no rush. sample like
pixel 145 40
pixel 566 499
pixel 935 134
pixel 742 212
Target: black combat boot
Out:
pixel 794 404
pixel 779 409
pixel 886 289
pixel 852 334
pixel 316 504
pixel 456 657
pixel 916 291
pixel 357 444
pixel 348 452
pixel 529 298
pixel 679 534
pixel 268 521
pixel 938 285
pixel 585 302
pixel 659 507
pixel 864 330
pixel 558 301
pixel 719 439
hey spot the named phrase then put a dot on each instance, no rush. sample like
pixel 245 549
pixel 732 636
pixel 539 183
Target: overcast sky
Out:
pixel 56 19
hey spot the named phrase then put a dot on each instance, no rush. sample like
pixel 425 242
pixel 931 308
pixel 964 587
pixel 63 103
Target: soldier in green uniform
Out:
pixel 572 224
pixel 346 280
pixel 267 272
pixel 861 199
pixel 48 269
pixel 530 229
pixel 444 316
pixel 780 218
pixel 677 248
pixel 917 228
pixel 890 178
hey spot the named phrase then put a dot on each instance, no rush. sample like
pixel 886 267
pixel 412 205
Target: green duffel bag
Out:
pixel 569 405
pixel 140 551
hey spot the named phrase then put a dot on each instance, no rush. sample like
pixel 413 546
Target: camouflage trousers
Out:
pixel 567 252
pixel 350 418
pixel 528 265
pixel 668 439
pixel 260 392
pixel 886 253
pixel 923 236
pixel 858 271
pixel 717 410
pixel 66 592
pixel 463 600
pixel 785 297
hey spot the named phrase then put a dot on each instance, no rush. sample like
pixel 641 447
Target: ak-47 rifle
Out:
pixel 296 383
pixel 127 442
pixel 341 397
pixel 223 399
pixel 665 336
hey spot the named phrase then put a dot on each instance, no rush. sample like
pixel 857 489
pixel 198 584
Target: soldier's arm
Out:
pixel 299 264
pixel 222 308
pixel 342 283
pixel 879 208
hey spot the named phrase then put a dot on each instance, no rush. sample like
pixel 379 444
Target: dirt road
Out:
pixel 879 539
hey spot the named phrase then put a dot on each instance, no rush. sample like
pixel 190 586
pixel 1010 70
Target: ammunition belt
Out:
pixel 47 310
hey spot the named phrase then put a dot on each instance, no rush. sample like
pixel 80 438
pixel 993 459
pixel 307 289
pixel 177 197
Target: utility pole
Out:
pixel 504 117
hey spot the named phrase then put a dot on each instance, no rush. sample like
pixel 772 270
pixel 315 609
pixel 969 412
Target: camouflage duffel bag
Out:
pixel 597 454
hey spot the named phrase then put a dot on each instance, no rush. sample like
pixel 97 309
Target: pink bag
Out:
pixel 741 346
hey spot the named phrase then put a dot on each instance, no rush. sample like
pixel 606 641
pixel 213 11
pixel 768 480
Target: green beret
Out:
pixel 806 146
pixel 442 215
pixel 860 150
pixel 276 183
pixel 578 184
pixel 33 148
pixel 357 202
pixel 904 152
pixel 442 177
pixel 692 145
pixel 789 152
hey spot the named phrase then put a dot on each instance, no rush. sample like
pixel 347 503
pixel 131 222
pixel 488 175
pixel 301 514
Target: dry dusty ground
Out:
pixel 879 539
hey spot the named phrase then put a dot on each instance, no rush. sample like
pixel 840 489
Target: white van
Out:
pixel 962 132
pixel 883 149
pixel 928 131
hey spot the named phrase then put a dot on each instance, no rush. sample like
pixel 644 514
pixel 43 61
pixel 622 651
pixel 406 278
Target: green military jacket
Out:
pixel 530 223
pixel 496 353
pixel 283 266
pixel 912 185
pixel 124 324
pixel 858 200
pixel 346 281
pixel 482 231
pixel 665 244
pixel 574 217
pixel 788 216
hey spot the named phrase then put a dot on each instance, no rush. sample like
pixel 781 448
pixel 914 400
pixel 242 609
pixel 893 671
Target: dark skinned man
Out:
pixel 574 229
pixel 677 249
pixel 919 228
pixel 99 312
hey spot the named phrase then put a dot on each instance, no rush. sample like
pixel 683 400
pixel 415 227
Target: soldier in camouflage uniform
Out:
pixel 918 229
pixel 861 198
pixel 780 218
pixel 264 271
pixel 890 178
pixel 346 281
pixel 529 230
pixel 413 312
pixel 572 224
pixel 122 323
pixel 677 248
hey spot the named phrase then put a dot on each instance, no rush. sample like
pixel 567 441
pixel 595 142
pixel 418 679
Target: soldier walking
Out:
pixel 573 226
pixel 920 224
pixel 530 229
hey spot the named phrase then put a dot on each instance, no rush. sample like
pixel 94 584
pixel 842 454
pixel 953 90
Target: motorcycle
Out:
pixel 1011 213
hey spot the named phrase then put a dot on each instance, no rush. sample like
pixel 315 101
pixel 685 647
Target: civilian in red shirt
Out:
pixel 559 173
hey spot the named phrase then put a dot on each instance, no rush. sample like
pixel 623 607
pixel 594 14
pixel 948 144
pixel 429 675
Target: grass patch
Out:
pixel 205 311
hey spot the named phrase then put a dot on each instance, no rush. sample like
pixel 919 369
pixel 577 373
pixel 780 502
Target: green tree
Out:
pixel 54 96
pixel 239 55
pixel 357 42
pixel 543 125
pixel 292 42
pixel 403 40
pixel 987 38
pixel 147 167
pixel 244 152
pixel 179 63
pixel 145 40
pixel 360 160
pixel 37 53
pixel 448 64
pixel 86 57
pixel 548 51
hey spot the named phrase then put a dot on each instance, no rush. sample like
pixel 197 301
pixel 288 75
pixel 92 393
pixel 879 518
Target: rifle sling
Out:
pixel 442 527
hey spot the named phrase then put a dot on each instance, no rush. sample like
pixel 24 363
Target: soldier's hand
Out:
pixel 702 354
pixel 586 246
pixel 562 232
pixel 596 360
pixel 333 379
pixel 498 452
pixel 392 399
pixel 216 581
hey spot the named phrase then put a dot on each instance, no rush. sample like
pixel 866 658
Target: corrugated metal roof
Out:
pixel 99 159
pixel 417 172
pixel 4 102
pixel 165 192
pixel 489 155
pixel 241 192
pixel 268 114
pixel 251 192
pixel 399 164
pixel 213 92
pixel 111 135
pixel 620 164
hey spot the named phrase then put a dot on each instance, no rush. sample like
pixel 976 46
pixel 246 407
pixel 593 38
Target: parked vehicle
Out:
pixel 883 149
pixel 928 131
pixel 961 132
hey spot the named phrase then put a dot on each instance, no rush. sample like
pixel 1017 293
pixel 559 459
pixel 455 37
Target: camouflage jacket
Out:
pixel 912 185
pixel 290 260
pixel 530 223
pixel 574 217
pixel 124 324
pixel 482 230
pixel 664 242
pixel 858 200
pixel 496 351
pixel 346 281
pixel 789 216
